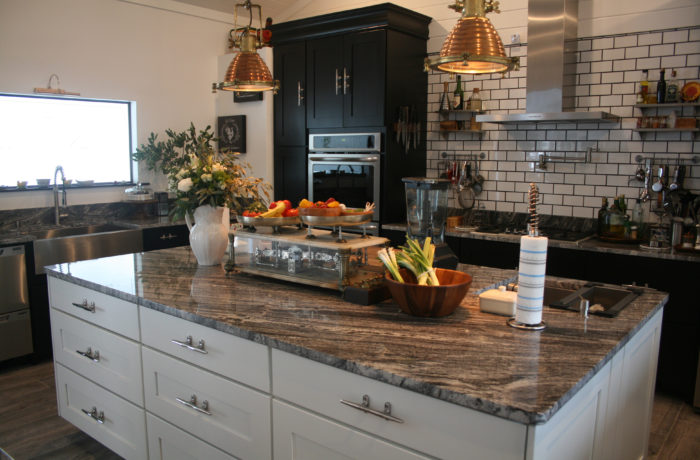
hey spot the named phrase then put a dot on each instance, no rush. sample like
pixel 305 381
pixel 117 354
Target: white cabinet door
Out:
pixel 300 435
pixel 94 307
pixel 99 355
pixel 114 421
pixel 233 357
pixel 167 442
pixel 235 419
pixel 429 425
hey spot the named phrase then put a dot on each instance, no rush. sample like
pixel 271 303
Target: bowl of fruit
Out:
pixel 328 208
pixel 279 213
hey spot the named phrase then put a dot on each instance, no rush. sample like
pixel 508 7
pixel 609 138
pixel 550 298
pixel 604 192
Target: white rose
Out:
pixel 180 174
pixel 217 167
pixel 185 185
pixel 222 186
pixel 206 177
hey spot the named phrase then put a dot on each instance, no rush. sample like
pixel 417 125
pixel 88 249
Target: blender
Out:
pixel 426 215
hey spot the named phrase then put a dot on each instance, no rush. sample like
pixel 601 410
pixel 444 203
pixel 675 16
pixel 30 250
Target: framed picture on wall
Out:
pixel 247 96
pixel 231 132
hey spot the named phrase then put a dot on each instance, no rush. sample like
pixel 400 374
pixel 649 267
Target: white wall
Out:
pixel 166 61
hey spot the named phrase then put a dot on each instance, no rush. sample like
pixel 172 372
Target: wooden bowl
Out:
pixel 431 301
pixel 327 212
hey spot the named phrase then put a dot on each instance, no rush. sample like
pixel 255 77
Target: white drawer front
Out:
pixel 300 435
pixel 230 356
pixel 168 442
pixel 430 425
pixel 239 418
pixel 124 425
pixel 109 312
pixel 115 362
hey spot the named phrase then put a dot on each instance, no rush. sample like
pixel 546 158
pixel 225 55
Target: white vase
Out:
pixel 209 234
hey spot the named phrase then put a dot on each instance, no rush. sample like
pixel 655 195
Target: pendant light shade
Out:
pixel 247 71
pixel 473 46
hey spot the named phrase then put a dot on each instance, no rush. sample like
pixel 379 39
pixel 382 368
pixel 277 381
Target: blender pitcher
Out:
pixel 426 215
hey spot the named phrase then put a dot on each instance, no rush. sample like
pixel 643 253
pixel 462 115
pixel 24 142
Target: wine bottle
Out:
pixel 445 98
pixel 672 88
pixel 661 88
pixel 458 95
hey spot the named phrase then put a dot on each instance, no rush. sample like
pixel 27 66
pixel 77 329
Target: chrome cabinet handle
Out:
pixel 364 407
pixel 169 236
pixel 94 357
pixel 192 404
pixel 85 306
pixel 199 348
pixel 300 94
pixel 100 418
pixel 346 81
pixel 337 81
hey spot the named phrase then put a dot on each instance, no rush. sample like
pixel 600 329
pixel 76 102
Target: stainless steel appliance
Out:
pixel 347 167
pixel 15 320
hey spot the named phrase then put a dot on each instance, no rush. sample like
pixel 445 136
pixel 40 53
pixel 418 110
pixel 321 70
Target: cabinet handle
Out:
pixel 100 418
pixel 85 306
pixel 338 78
pixel 94 357
pixel 346 81
pixel 364 407
pixel 169 236
pixel 192 404
pixel 199 348
pixel 300 94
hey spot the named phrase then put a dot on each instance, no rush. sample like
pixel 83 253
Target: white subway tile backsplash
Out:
pixel 649 63
pixel 661 50
pixel 613 77
pixel 611 101
pixel 613 54
pixel 625 41
pixel 637 52
pixel 605 191
pixel 650 38
pixel 503 206
pixel 599 90
pixel 600 66
pixel 552 199
pixel 675 36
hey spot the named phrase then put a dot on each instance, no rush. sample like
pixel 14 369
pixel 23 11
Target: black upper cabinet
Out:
pixel 346 80
pixel 290 111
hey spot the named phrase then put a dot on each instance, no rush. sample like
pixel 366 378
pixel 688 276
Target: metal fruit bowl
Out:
pixel 332 221
pixel 268 221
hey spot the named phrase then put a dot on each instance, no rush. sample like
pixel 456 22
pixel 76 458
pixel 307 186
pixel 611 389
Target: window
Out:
pixel 91 139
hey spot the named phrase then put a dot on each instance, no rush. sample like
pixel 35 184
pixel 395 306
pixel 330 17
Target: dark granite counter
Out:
pixel 469 358
pixel 590 243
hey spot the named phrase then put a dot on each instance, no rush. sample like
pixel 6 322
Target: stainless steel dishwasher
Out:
pixel 15 320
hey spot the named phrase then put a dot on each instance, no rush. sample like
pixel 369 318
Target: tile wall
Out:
pixel 608 71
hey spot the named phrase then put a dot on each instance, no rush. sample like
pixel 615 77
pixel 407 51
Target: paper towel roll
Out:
pixel 533 264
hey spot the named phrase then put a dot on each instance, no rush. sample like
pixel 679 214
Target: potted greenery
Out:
pixel 205 184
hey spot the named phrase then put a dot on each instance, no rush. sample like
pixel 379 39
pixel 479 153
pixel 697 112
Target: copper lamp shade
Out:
pixel 473 46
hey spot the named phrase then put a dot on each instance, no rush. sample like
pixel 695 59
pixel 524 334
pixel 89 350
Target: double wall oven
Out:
pixel 347 167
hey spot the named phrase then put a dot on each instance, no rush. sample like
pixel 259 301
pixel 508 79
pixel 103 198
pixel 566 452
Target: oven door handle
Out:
pixel 369 159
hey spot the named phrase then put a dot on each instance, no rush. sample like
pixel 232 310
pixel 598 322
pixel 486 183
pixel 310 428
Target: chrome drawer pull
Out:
pixel 85 306
pixel 338 79
pixel 169 236
pixel 192 403
pixel 100 418
pixel 199 348
pixel 364 407
pixel 94 357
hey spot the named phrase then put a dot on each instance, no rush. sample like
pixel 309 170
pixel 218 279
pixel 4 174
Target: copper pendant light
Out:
pixel 473 46
pixel 247 71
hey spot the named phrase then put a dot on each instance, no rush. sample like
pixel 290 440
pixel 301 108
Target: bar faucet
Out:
pixel 64 202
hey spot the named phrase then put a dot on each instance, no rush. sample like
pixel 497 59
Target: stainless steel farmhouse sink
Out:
pixel 69 244
pixel 613 299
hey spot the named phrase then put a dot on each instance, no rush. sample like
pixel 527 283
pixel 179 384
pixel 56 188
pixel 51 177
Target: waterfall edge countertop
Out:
pixel 469 358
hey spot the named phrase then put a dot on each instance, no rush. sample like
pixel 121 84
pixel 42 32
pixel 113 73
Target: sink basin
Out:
pixel 613 299
pixel 70 244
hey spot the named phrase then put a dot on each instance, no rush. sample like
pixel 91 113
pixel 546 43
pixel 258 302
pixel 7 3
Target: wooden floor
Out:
pixel 31 429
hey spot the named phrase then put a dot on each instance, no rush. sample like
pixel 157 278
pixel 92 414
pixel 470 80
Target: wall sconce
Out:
pixel 473 46
pixel 247 71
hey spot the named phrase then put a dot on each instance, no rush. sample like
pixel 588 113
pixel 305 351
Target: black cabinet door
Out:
pixel 324 71
pixel 290 105
pixel 364 78
pixel 170 236
pixel 290 173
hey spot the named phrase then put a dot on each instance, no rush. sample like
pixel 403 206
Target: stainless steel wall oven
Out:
pixel 347 167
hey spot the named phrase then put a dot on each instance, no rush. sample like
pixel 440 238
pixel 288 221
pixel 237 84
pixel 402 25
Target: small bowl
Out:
pixel 328 212
pixel 43 182
pixel 429 301
pixel 21 184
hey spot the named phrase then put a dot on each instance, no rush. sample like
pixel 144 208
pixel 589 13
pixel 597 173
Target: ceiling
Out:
pixel 272 8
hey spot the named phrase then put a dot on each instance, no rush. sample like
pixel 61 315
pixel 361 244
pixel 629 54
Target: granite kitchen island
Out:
pixel 276 359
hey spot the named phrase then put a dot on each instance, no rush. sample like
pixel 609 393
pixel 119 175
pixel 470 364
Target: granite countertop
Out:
pixel 469 358
pixel 591 243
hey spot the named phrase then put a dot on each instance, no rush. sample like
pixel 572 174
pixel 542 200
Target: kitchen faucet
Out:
pixel 64 202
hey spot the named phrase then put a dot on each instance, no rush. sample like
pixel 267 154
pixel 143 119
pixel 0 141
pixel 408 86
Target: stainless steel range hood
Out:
pixel 551 67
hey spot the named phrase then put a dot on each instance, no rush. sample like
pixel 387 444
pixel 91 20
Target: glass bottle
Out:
pixel 445 98
pixel 602 212
pixel 458 95
pixel 672 88
pixel 637 212
pixel 661 88
pixel 644 87
pixel 616 221
pixel 475 101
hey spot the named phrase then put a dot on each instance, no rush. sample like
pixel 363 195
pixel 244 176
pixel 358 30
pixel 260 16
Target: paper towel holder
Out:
pixel 527 327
